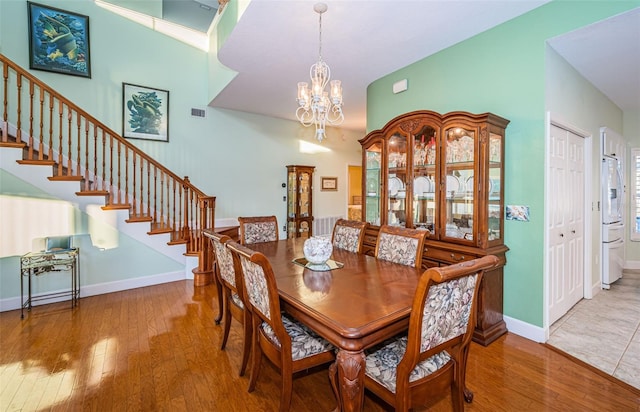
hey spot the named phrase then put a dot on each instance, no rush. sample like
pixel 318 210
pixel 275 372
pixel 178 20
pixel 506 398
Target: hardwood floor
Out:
pixel 157 349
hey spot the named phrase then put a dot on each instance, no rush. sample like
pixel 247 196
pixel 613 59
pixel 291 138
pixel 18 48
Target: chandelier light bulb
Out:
pixel 317 106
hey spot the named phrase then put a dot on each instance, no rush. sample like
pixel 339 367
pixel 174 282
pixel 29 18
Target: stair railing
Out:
pixel 54 131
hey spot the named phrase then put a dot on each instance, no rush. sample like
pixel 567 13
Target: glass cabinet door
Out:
pixel 292 195
pixel 397 180
pixel 495 187
pixel 305 193
pixel 372 183
pixel 424 178
pixel 459 187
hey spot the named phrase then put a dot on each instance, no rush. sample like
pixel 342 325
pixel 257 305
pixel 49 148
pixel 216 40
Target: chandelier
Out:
pixel 317 106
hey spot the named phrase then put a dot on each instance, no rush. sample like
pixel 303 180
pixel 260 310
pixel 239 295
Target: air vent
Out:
pixel 197 112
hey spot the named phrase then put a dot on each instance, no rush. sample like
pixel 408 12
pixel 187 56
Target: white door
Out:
pixel 566 221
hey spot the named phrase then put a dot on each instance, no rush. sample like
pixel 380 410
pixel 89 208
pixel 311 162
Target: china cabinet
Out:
pixel 299 201
pixel 443 174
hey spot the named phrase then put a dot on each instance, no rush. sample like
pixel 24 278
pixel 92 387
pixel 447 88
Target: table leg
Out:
pixel 347 376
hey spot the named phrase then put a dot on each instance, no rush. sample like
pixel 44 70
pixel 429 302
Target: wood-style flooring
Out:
pixel 157 349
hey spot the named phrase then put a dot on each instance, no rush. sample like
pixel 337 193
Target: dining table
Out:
pixel 355 302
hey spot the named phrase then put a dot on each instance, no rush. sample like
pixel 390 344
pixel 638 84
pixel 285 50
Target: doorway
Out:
pixel 568 272
pixel 354 201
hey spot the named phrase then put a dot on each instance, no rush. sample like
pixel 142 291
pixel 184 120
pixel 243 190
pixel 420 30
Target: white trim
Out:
pixel 101 289
pixel 526 330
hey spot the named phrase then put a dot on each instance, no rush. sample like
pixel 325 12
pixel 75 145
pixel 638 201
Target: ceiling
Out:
pixel 276 41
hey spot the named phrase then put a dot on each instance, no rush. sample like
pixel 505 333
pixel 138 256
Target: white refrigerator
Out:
pixel 612 220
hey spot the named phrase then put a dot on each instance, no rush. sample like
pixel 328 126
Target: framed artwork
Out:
pixel 58 41
pixel 328 183
pixel 145 113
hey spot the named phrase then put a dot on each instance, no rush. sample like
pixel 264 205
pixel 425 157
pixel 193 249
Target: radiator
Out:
pixel 323 226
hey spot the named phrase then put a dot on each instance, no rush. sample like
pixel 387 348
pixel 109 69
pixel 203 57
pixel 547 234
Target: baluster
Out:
pixel 175 221
pixel 69 157
pixel 162 197
pixel 86 154
pixel 60 160
pixel 5 113
pixel 141 186
pixel 155 194
pixel 119 185
pixel 31 157
pixel 104 161
pixel 19 109
pixel 134 171
pixel 79 140
pixel 126 175
pixel 110 169
pixel 149 190
pixel 51 108
pixel 95 161
pixel 41 132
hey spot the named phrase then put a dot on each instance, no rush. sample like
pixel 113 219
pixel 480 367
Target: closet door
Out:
pixel 566 221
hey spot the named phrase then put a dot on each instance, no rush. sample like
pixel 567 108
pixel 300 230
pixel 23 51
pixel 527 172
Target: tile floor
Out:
pixel 605 331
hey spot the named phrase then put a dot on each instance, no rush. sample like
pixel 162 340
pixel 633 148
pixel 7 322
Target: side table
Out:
pixel 40 263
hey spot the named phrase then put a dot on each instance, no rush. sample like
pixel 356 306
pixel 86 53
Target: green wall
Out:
pixel 502 71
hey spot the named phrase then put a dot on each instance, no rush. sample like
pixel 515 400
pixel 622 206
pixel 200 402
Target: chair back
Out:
pixel 261 291
pixel 258 229
pixel 224 261
pixel 349 235
pixel 401 245
pixel 444 308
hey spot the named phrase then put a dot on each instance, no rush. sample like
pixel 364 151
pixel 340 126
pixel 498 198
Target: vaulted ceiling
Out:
pixel 275 42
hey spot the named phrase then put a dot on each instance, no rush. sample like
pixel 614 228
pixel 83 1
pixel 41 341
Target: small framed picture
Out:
pixel 145 113
pixel 328 183
pixel 58 41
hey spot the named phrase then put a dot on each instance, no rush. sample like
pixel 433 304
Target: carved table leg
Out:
pixel 349 370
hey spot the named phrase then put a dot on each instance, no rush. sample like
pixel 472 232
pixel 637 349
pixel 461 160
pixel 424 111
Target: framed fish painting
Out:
pixel 145 113
pixel 58 41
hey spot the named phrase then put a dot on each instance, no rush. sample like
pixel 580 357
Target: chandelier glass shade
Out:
pixel 315 105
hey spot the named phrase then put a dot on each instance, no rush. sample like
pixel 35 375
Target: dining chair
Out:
pixel 257 229
pixel 400 245
pixel 348 235
pixel 289 345
pixel 232 295
pixel 420 366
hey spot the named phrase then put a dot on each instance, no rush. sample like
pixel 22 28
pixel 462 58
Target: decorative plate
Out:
pixel 395 184
pixel 453 184
pixel 421 184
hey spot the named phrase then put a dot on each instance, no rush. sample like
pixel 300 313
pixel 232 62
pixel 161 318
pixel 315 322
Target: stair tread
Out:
pixel 66 178
pixel 36 162
pixel 16 145
pixel 139 218
pixel 93 193
pixel 117 206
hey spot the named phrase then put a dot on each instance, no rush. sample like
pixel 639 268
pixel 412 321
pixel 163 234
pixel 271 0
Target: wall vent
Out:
pixel 197 112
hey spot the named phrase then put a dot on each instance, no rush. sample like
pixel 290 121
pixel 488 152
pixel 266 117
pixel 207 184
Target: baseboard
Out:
pixel 632 264
pixel 526 330
pixel 101 289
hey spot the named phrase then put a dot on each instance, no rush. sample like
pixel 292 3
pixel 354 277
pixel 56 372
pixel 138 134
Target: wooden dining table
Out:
pixel 354 307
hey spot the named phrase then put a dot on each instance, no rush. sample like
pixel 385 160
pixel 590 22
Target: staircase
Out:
pixel 54 132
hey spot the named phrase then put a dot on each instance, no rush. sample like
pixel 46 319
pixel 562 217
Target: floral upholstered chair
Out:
pixel 258 229
pixel 232 295
pixel 412 369
pixel 401 245
pixel 289 345
pixel 349 235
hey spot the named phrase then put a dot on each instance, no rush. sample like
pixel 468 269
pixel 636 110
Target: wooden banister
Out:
pixel 54 131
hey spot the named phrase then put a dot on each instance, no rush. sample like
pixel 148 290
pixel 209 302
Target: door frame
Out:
pixel 590 206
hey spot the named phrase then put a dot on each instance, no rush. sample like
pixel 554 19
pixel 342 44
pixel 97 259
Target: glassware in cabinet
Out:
pixel 372 182
pixel 299 201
